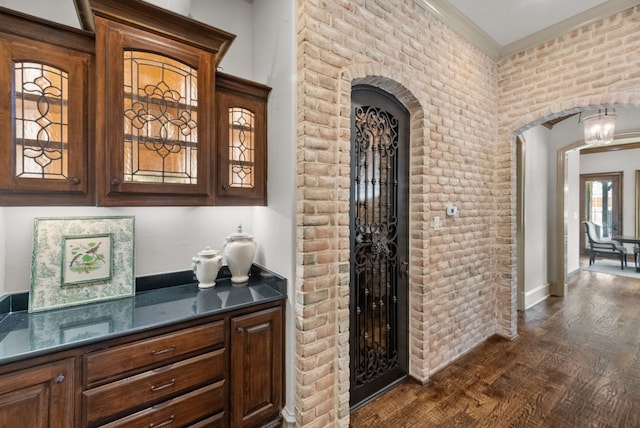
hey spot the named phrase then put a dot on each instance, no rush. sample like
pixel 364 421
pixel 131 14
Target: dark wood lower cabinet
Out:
pixel 256 368
pixel 38 397
pixel 225 370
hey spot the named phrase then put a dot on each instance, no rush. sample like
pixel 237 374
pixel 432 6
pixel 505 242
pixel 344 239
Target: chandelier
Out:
pixel 599 128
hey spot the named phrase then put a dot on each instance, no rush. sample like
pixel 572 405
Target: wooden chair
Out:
pixel 603 247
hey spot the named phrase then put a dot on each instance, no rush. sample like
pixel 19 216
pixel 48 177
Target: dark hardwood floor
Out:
pixel 575 363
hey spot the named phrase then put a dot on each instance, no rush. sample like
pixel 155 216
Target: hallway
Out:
pixel 575 363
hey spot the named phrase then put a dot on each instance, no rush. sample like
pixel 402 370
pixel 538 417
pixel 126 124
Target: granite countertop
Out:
pixel 159 300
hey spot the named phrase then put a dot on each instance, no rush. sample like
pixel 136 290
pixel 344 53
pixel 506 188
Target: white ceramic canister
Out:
pixel 239 250
pixel 206 266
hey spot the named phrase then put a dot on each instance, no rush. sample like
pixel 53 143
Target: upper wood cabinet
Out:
pixel 156 105
pixel 131 112
pixel 46 76
pixel 242 141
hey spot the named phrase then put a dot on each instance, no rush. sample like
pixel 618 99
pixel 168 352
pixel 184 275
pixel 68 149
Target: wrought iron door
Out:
pixel 379 243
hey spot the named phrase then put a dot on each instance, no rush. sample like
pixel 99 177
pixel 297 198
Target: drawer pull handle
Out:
pixel 164 351
pixel 58 379
pixel 166 385
pixel 163 424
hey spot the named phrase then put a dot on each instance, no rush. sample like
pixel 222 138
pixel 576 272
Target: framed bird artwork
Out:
pixel 78 260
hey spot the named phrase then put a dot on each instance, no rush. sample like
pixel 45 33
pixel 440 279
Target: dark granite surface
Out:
pixel 24 335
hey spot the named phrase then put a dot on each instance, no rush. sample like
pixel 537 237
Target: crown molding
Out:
pixel 462 25
pixel 596 13
pixel 466 28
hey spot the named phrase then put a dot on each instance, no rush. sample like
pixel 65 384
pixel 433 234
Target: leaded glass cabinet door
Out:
pixel 379 243
pixel 44 115
pixel 242 141
pixel 157 101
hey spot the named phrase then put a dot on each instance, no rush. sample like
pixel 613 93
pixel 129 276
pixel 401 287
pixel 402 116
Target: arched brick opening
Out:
pixel 587 104
pixel 402 88
pixel 333 323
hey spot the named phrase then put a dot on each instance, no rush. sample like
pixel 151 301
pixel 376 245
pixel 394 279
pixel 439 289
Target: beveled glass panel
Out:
pixel 241 148
pixel 160 119
pixel 41 121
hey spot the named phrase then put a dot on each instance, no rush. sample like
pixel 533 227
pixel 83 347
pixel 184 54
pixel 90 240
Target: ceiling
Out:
pixel 503 27
pixel 497 27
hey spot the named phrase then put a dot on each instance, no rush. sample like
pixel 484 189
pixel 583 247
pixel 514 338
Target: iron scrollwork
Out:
pixel 375 240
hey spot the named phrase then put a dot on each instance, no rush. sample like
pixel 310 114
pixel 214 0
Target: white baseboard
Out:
pixel 289 418
pixel 535 296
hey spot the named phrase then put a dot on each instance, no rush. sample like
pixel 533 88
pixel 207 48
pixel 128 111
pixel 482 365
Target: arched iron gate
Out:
pixel 379 242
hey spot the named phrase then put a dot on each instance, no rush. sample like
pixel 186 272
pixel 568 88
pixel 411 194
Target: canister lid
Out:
pixel 207 252
pixel 239 235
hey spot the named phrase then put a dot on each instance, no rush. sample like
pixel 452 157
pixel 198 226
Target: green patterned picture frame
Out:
pixel 78 260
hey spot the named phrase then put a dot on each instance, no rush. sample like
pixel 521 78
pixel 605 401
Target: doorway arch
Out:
pixel 403 89
pixel 563 224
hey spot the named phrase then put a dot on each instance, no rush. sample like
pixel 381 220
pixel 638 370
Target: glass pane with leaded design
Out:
pixel 160 119
pixel 241 148
pixel 41 121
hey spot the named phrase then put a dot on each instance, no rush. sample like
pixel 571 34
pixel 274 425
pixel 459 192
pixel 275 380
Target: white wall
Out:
pixel 563 134
pixel 60 11
pixel 179 6
pixel 166 237
pixel 275 65
pixel 536 188
pixel 236 17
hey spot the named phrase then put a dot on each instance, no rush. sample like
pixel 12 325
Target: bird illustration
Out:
pixel 91 250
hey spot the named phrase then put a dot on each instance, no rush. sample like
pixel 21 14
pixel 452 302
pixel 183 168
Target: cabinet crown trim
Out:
pixel 148 17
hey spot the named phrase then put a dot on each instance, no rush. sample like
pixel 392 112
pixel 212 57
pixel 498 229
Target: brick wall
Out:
pixel 593 66
pixel 462 277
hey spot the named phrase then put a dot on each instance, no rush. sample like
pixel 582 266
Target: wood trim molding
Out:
pixel 164 22
pixel 610 148
pixel 85 16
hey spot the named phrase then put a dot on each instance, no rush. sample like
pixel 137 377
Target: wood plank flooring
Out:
pixel 576 363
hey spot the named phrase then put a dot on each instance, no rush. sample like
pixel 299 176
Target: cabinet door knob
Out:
pixel 115 182
pixel 58 379
pixel 75 181
pixel 225 187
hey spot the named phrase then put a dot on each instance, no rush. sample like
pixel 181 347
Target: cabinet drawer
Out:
pixel 152 386
pixel 110 363
pixel 181 411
